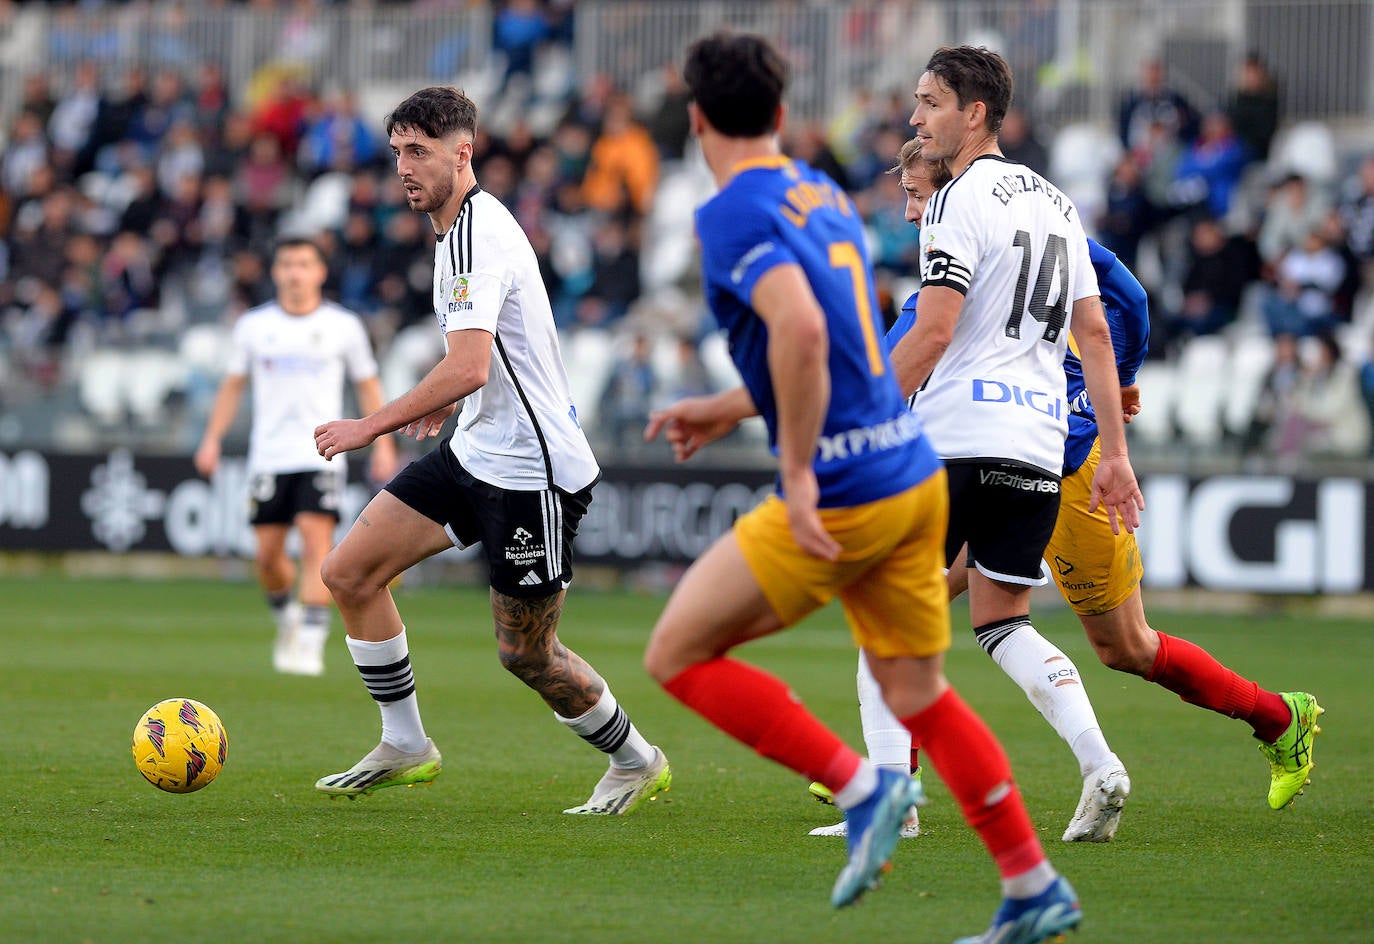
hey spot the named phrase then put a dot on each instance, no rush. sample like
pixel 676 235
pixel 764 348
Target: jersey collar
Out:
pixel 462 208
pixel 765 162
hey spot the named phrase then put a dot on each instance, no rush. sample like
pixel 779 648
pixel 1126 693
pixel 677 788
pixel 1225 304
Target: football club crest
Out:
pixel 458 295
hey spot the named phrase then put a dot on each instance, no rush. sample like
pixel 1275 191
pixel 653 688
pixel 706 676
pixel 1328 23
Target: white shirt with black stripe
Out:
pixel 296 365
pixel 520 430
pixel 1013 245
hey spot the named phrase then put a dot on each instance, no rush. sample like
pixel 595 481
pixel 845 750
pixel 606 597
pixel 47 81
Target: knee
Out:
pixel 346 584
pixel 657 663
pixel 1131 650
pixel 272 561
pixel 522 658
pixel 512 660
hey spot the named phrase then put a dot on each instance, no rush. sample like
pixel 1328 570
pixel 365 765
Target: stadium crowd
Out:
pixel 139 203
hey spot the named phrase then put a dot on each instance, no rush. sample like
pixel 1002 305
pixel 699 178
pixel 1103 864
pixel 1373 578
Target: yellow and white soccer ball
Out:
pixel 180 745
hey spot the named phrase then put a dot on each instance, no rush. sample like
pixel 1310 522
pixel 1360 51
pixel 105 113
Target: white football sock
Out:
pixel 385 668
pixel 1051 682
pixel 283 610
pixel 314 628
pixel 888 742
pixel 606 727
pixel 1031 882
pixel 859 788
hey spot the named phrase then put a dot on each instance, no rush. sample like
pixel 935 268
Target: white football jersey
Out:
pixel 1013 245
pixel 296 365
pixel 520 431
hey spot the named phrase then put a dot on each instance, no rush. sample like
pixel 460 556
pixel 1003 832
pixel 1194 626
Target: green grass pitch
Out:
pixel 90 852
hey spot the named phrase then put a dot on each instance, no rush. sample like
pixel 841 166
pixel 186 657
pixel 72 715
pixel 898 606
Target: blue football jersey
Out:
pixel 775 212
pixel 1128 316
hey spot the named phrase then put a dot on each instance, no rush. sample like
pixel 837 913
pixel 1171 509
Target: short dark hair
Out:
pixel 737 80
pixel 298 242
pixel 975 74
pixel 436 112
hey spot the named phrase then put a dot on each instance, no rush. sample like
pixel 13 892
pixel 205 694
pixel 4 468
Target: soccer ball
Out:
pixel 180 745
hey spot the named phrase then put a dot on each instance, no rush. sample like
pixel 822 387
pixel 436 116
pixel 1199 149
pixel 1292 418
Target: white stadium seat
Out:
pixel 1204 377
pixel 101 386
pixel 152 376
pixel 715 354
pixel 412 352
pixel 1252 354
pixel 589 354
pixel 1154 424
pixel 1307 148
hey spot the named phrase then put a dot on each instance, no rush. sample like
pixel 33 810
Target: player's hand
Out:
pixel 802 494
pixel 341 436
pixel 691 423
pixel 427 427
pixel 1130 402
pixel 384 463
pixel 206 459
pixel 1115 487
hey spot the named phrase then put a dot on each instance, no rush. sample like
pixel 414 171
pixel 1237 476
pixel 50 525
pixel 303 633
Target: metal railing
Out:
pixel 1072 57
pixel 350 47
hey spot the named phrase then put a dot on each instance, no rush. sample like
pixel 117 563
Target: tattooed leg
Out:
pixel 528 643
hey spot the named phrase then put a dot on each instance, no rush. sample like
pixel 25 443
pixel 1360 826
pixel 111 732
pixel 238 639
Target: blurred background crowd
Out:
pixel 142 187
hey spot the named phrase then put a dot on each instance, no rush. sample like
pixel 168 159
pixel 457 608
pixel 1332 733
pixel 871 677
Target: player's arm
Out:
pixel 798 353
pixel 693 422
pixel 1130 324
pixel 1127 307
pixel 222 413
pixel 1128 319
pixel 422 409
pixel 1114 484
pixel 370 400
pixel 916 354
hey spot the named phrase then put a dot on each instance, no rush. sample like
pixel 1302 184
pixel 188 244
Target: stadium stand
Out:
pixel 144 175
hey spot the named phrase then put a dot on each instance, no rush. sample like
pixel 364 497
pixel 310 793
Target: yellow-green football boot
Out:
pixel 823 794
pixel 1290 757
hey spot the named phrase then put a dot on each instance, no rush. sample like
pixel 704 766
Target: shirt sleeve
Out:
pixel 1085 276
pixel 358 358
pixel 239 352
pixel 738 251
pixel 1128 311
pixel 949 241
pixel 474 299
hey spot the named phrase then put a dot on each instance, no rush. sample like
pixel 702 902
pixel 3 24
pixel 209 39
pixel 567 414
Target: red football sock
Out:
pixel 915 756
pixel 759 710
pixel 974 767
pixel 1191 673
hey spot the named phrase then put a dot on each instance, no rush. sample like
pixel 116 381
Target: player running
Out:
pixel 516 475
pixel 1098 572
pixel 861 508
pixel 297 351
pixel 1005 271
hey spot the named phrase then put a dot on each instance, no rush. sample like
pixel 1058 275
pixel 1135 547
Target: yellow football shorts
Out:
pixel 1095 569
pixel 889 578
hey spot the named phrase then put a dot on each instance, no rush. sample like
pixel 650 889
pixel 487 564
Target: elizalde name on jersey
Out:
pixel 1011 185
